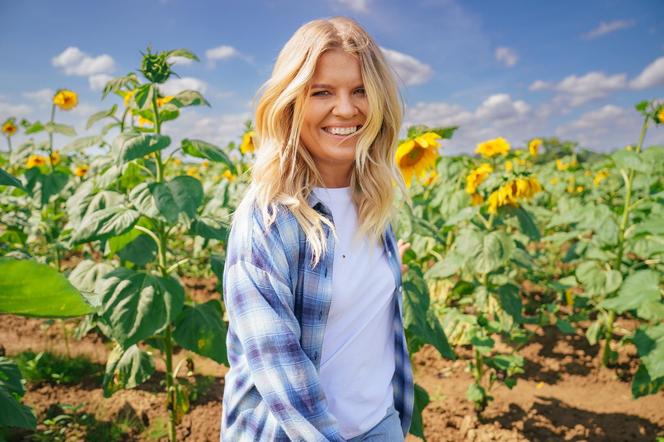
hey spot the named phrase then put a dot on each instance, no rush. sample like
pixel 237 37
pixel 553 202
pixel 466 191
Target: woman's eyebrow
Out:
pixel 329 86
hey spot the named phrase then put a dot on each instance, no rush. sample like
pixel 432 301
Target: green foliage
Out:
pixel 8 180
pixel 133 145
pixel 14 414
pixel 31 289
pixel 200 328
pixel 422 327
pixel 421 401
pixel 127 368
pixel 202 149
pixel 47 367
pixel 136 305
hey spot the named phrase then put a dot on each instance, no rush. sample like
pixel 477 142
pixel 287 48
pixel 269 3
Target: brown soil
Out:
pixel 562 395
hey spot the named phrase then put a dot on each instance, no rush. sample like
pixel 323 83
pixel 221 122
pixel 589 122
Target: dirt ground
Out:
pixel 561 396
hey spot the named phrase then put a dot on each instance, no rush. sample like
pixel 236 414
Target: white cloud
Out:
pixel 216 129
pixel 41 96
pixel 501 108
pixel 539 85
pixel 593 85
pixel 355 5
pixel 439 114
pixel 603 115
pixel 575 91
pixel 224 52
pixel 608 27
pixel 175 85
pixel 85 110
pixel 8 109
pixel 603 129
pixel 223 128
pixel 559 105
pixel 506 55
pixel 497 115
pixel 221 53
pixel 73 61
pixel 652 75
pixel 97 82
pixel 409 69
pixel 181 61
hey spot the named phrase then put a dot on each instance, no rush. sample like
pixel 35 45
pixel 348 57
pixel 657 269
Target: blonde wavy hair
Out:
pixel 284 171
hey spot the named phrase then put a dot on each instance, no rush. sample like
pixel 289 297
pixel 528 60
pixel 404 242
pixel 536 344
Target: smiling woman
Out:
pixel 334 111
pixel 312 279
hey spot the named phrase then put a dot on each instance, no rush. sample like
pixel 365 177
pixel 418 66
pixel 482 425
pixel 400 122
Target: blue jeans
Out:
pixel 387 430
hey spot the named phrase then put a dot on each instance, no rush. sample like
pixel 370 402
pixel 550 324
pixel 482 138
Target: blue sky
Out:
pixel 517 69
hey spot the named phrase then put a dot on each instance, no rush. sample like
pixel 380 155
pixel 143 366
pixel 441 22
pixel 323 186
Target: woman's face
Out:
pixel 334 109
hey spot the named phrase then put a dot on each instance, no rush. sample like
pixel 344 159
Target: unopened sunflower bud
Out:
pixel 155 67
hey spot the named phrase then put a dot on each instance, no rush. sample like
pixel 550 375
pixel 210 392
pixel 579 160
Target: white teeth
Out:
pixel 341 130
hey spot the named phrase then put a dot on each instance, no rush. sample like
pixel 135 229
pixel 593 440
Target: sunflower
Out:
pixel 228 175
pixel 477 176
pixel 513 191
pixel 660 115
pixel 600 176
pixel 193 172
pixel 35 161
pixel 144 121
pixel 81 171
pixel 164 100
pixel 509 166
pixel 416 156
pixel 247 145
pixel 65 99
pixel 430 178
pixel 490 148
pixel 534 146
pixel 9 128
pixel 476 199
pixel 54 158
pixel 560 165
pixel 127 97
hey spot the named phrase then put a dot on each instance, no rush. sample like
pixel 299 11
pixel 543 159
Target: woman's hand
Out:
pixel 403 246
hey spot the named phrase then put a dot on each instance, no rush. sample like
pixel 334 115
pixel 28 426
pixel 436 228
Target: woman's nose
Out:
pixel 344 107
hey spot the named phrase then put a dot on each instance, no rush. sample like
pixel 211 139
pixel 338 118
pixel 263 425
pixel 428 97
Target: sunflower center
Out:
pixel 412 157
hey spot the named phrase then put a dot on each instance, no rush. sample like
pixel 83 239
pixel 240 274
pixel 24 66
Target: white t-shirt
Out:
pixel 357 360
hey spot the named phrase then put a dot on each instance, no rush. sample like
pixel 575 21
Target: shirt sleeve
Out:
pixel 260 308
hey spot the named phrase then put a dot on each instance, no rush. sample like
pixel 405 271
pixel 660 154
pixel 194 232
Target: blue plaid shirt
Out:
pixel 278 305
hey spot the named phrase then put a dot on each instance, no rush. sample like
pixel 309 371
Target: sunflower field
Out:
pixel 503 244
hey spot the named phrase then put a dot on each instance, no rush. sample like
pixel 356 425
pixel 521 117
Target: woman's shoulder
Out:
pixel 250 216
pixel 270 232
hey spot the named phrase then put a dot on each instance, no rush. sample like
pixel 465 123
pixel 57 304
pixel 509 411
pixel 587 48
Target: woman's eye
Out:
pixel 319 93
pixel 360 91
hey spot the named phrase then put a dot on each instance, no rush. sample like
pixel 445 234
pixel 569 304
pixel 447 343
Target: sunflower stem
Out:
pixel 163 234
